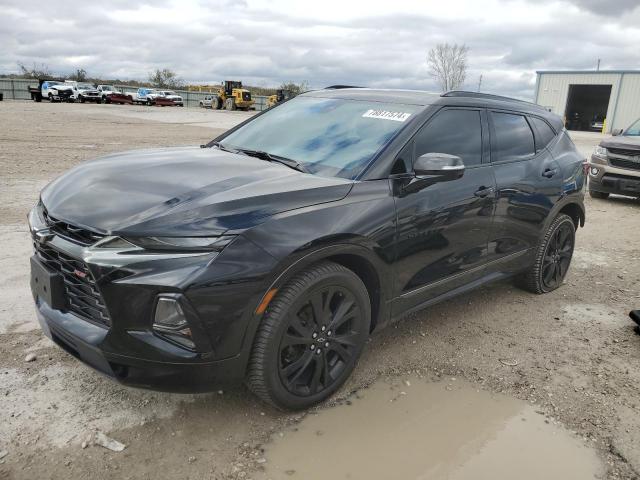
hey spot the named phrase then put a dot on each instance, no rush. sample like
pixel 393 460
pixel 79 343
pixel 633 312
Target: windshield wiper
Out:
pixel 274 158
pixel 220 146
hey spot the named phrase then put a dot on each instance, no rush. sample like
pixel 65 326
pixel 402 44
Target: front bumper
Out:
pixel 106 313
pixel 86 342
pixel 610 179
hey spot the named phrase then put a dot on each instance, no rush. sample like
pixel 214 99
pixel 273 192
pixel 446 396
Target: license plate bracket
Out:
pixel 47 285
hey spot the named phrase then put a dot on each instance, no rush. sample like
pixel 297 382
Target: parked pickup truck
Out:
pixel 84 92
pixel 173 96
pixel 146 96
pixel 105 91
pixel 206 101
pixel 52 90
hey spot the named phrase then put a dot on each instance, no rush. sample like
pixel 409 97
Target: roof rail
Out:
pixel 338 87
pixel 464 93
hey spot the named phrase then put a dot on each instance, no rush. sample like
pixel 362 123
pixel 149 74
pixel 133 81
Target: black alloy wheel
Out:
pixel 553 257
pixel 310 338
pixel 557 257
pixel 320 341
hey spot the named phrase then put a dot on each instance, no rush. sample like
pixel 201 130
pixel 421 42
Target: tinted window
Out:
pixel 513 137
pixel 456 132
pixel 544 134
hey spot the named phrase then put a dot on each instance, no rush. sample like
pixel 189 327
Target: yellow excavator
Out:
pixel 280 96
pixel 232 96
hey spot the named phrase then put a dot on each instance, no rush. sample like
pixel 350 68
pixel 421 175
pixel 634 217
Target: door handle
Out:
pixel 549 172
pixel 483 192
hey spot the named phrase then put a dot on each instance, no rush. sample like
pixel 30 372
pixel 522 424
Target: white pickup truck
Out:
pixel 105 91
pixel 146 96
pixel 84 92
pixel 206 101
pixel 173 96
pixel 55 91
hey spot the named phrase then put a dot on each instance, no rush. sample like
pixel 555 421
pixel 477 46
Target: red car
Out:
pixel 164 101
pixel 120 98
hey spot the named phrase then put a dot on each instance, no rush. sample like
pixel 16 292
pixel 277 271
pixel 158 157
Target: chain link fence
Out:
pixel 18 89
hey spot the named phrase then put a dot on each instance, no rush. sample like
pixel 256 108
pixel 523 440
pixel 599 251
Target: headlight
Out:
pixel 189 244
pixel 600 152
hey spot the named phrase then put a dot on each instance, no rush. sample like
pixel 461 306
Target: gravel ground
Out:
pixel 572 354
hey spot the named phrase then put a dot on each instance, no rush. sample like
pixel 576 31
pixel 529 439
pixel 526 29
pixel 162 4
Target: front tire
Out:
pixel 553 257
pixel 230 104
pixel 310 338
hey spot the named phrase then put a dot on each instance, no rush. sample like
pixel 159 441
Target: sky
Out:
pixel 374 44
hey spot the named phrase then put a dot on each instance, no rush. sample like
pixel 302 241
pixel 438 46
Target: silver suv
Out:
pixel 615 164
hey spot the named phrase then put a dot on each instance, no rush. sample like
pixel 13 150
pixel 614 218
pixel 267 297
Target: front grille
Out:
pixel 622 163
pixel 82 295
pixel 624 152
pixel 70 232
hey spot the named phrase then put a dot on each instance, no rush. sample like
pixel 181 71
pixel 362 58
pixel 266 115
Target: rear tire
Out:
pixel 553 257
pixel 310 337
pixel 596 194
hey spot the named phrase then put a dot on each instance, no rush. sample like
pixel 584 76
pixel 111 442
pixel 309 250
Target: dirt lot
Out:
pixel 571 356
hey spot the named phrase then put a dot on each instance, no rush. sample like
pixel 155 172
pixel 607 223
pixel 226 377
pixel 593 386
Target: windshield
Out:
pixel 85 86
pixel 327 136
pixel 633 130
pixel 169 92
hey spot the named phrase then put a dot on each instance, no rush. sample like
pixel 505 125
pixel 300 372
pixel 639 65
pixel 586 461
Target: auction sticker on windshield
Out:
pixel 385 115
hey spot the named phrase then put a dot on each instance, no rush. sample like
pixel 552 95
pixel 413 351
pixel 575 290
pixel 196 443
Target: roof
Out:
pixel 422 98
pixel 587 72
pixel 407 97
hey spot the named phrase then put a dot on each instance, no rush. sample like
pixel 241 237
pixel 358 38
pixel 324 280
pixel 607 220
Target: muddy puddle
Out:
pixel 417 429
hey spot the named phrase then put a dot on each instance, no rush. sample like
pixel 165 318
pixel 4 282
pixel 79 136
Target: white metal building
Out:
pixel 584 97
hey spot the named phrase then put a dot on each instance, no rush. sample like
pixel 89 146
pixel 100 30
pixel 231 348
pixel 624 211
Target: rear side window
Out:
pixel 513 139
pixel 544 133
pixel 455 132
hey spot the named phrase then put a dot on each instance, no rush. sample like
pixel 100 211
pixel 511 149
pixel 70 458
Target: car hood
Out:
pixel 622 142
pixel 61 87
pixel 182 191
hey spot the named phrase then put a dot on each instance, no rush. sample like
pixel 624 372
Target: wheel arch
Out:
pixel 357 258
pixel 575 211
pixel 573 207
pixel 369 276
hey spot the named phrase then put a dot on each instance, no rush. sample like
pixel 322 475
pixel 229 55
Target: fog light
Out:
pixel 594 171
pixel 170 322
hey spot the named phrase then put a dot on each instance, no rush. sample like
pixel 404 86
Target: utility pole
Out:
pixel 598 67
pixel 480 83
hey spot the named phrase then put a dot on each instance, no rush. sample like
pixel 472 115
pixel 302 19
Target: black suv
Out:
pixel 271 253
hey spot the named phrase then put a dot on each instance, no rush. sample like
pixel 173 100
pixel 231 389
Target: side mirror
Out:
pixel 441 167
pixel 616 132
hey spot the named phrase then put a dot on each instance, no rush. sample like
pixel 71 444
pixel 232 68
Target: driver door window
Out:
pixel 455 132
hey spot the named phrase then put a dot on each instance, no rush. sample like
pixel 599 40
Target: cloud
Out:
pixel 265 43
